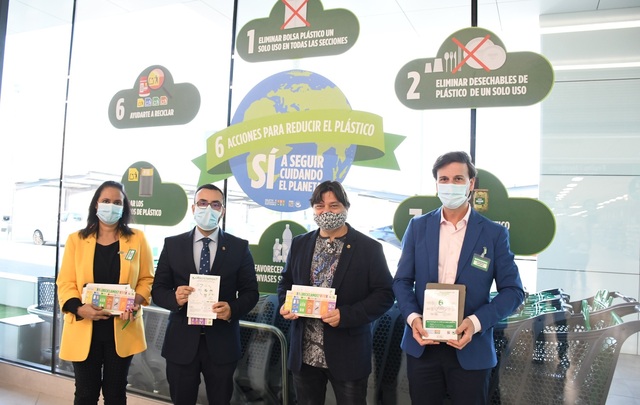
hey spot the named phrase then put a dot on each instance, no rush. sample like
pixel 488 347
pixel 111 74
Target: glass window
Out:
pixel 66 129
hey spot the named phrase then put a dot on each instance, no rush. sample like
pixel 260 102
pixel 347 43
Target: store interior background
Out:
pixel 577 150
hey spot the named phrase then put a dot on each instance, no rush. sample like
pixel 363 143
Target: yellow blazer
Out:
pixel 77 270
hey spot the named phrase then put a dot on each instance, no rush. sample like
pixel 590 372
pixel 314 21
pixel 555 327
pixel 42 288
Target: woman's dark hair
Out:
pixel 92 218
pixel 333 186
pixel 454 157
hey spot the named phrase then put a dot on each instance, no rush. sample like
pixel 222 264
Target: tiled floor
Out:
pixel 19 386
pixel 625 389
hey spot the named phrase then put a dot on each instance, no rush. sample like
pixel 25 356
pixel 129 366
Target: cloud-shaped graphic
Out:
pixel 473 69
pixel 152 201
pixel 530 222
pixel 298 29
pixel 155 100
pixel 270 253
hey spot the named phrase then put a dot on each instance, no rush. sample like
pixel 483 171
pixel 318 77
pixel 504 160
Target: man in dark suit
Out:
pixel 455 245
pixel 337 347
pixel 212 350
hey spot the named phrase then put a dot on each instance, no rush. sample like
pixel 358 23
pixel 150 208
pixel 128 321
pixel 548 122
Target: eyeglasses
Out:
pixel 216 205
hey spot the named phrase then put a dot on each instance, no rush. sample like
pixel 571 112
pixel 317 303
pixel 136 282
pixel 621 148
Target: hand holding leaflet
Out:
pixel 310 302
pixel 200 308
pixel 133 314
pixel 113 298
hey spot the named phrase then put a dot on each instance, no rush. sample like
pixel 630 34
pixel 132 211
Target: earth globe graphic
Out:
pixel 288 93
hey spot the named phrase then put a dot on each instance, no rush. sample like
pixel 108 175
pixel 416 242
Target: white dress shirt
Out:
pixel 197 246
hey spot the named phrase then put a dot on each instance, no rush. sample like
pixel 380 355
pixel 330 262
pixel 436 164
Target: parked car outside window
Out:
pixel 385 233
pixel 69 222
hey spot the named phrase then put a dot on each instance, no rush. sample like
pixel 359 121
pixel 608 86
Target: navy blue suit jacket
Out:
pixel 234 264
pixel 418 266
pixel 363 286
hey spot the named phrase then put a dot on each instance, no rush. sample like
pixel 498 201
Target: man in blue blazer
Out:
pixel 338 347
pixel 212 350
pixel 455 245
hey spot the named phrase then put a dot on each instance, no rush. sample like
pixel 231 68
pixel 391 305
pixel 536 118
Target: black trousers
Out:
pixel 103 369
pixel 311 387
pixel 184 379
pixel 438 374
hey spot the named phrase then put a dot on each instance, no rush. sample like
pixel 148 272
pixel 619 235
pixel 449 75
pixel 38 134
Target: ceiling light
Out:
pixel 614 25
pixel 597 66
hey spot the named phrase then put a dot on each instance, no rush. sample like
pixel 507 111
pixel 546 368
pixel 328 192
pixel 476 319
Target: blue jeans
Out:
pixel 311 387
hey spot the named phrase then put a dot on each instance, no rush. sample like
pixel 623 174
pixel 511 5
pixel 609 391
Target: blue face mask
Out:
pixel 206 218
pixel 109 214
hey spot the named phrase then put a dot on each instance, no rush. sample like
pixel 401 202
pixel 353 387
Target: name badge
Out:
pixel 480 262
pixel 130 254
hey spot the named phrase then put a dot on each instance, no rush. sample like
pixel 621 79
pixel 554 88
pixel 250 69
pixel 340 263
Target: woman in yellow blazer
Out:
pixel 107 251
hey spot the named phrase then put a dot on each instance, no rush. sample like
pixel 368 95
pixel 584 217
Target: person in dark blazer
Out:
pixel 212 350
pixel 455 245
pixel 338 347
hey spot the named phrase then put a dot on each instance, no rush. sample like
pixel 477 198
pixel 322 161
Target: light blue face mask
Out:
pixel 453 196
pixel 109 214
pixel 206 218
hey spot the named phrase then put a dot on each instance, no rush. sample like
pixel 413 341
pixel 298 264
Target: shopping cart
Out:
pixel 561 357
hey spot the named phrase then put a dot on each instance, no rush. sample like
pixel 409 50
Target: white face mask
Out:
pixel 453 196
pixel 206 218
pixel 109 213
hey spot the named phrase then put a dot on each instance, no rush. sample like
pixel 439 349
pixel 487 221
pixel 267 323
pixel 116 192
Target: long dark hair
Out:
pixel 92 218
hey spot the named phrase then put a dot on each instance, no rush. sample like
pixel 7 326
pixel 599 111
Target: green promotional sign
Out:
pixel 530 222
pixel 155 100
pixel 330 127
pixel 270 254
pixel 152 201
pixel 297 29
pixel 472 69
pixel 292 131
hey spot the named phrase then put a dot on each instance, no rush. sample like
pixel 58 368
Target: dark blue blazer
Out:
pixel 234 264
pixel 363 286
pixel 418 265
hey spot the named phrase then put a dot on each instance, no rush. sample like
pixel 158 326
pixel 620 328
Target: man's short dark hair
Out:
pixel 454 157
pixel 333 186
pixel 208 186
